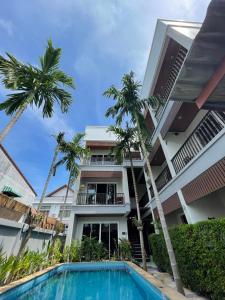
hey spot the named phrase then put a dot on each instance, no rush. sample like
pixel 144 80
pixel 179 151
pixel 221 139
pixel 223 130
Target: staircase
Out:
pixel 136 249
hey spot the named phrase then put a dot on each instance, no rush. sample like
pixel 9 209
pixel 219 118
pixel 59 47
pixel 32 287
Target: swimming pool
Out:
pixel 87 281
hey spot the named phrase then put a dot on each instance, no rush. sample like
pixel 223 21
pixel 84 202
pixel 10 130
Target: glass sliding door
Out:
pixel 111 193
pixel 91 230
pixel 91 193
pixel 107 233
pixel 113 239
pixel 105 236
pixel 101 193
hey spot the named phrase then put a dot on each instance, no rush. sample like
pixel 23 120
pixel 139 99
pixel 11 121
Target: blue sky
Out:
pixel 101 40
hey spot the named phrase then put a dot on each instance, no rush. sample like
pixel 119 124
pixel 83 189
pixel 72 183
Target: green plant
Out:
pixel 55 251
pixel 124 249
pixel 200 252
pixel 72 253
pixel 92 250
pixel 34 86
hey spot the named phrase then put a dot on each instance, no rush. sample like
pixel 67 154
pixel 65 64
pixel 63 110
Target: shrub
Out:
pixel 124 249
pixel 92 250
pixel 200 254
pixel 72 253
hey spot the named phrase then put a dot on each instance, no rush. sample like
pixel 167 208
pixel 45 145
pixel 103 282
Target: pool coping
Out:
pixel 167 291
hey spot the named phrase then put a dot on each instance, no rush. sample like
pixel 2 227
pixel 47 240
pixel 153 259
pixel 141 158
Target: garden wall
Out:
pixel 11 237
pixel 200 254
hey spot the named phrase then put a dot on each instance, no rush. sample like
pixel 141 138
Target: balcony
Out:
pixel 207 129
pixel 99 199
pixel 163 178
pixel 168 74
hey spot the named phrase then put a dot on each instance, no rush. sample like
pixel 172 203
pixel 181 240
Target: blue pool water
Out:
pixel 93 281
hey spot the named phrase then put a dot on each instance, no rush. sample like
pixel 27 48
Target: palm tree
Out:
pixel 59 143
pixel 128 103
pixel 73 152
pixel 34 86
pixel 128 140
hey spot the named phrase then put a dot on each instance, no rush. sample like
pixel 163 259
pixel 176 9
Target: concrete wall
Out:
pixel 10 176
pixel 121 221
pixel 210 206
pixel 98 133
pixel 11 236
pixel 174 218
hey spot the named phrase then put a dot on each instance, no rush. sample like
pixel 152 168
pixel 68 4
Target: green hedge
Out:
pixel 200 254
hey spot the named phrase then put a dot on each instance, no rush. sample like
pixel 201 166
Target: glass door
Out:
pixel 111 193
pixel 101 193
pixel 109 237
pixel 91 193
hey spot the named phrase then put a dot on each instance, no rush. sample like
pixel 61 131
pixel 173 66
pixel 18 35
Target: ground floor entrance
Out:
pixel 106 229
pixel 107 233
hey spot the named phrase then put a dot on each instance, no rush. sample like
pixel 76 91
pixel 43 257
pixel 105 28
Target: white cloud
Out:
pixel 51 125
pixel 7 26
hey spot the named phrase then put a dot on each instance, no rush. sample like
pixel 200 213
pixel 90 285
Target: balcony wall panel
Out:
pixel 101 174
pixel 170 205
pixel 208 182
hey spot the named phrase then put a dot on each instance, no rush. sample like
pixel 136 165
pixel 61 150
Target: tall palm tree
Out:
pixel 128 103
pixel 73 152
pixel 34 86
pixel 59 144
pixel 127 140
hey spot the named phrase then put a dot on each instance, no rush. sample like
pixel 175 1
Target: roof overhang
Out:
pixel 202 77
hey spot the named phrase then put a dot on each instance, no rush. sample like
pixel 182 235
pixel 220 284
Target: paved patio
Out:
pixel 167 280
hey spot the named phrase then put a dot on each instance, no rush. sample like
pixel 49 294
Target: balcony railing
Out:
pixel 207 129
pixel 101 162
pixel 174 71
pixel 163 178
pixel 100 199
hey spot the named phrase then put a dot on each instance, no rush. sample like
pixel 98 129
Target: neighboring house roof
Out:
pixel 59 189
pixel 17 168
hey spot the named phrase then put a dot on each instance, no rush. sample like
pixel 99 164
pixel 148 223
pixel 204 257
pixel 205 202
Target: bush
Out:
pixel 200 254
pixel 72 253
pixel 92 250
pixel 124 249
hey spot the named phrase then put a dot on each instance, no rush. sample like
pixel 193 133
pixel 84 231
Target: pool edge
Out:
pixel 167 291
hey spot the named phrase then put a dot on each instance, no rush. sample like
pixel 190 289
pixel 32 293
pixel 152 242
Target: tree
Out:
pixel 73 152
pixel 128 103
pixel 59 144
pixel 127 140
pixel 33 86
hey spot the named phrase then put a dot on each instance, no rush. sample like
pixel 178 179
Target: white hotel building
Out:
pixel 187 134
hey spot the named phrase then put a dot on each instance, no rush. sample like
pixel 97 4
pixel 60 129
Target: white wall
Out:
pixel 212 205
pixel 121 221
pixel 98 133
pixel 11 237
pixel 9 176
pixel 174 217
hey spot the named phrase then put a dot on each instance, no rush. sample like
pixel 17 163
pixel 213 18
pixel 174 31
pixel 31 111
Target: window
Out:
pixel 107 233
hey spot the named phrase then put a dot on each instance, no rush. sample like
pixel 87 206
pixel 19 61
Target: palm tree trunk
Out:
pixel 67 191
pixel 49 176
pixel 173 263
pixel 11 123
pixel 140 228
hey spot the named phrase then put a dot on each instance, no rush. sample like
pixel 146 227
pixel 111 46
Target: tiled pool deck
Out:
pixel 167 291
